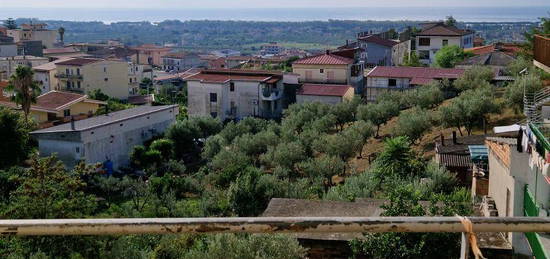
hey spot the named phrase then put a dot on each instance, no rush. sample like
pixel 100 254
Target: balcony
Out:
pixel 541 52
pixel 68 76
pixel 269 94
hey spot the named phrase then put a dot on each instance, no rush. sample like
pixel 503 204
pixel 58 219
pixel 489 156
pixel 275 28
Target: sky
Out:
pixel 193 4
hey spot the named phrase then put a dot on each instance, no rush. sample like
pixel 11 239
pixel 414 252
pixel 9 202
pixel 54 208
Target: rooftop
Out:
pixel 78 61
pixel 324 90
pixel 416 72
pixel 149 47
pixel 222 76
pixel 440 29
pixel 378 40
pixel 495 58
pixel 279 207
pixel 48 66
pixel 324 59
pixel 60 50
pixel 106 119
pixel 55 101
pixel 461 145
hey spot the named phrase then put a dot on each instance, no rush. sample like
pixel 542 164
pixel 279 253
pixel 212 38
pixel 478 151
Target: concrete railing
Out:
pixel 36 227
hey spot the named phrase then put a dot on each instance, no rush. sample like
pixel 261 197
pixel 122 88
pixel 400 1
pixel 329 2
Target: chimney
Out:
pixel 72 123
pixel 442 139
pixel 454 138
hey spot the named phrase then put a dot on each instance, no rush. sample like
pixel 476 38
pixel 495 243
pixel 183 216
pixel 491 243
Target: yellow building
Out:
pixel 58 107
pixel 325 68
pixel 83 75
pixel 33 32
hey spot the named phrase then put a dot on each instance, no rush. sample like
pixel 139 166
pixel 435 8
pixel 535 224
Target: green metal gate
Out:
pixel 531 209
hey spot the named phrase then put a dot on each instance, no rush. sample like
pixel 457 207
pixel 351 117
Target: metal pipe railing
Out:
pixel 269 225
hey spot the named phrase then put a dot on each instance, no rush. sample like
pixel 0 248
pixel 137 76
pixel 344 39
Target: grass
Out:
pixel 427 144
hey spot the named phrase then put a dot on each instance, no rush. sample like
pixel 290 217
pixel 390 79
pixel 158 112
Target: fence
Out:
pixel 541 49
pixel 531 209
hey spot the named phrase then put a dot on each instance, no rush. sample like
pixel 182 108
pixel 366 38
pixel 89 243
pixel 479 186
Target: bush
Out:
pixel 252 191
pixel 449 56
pixel 164 146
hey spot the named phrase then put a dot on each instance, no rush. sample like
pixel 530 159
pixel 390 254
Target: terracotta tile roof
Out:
pixel 324 90
pixel 378 40
pixel 55 101
pixel 421 81
pixel 481 50
pixel 443 30
pixel 415 72
pixel 324 59
pixel 179 55
pixel 222 76
pixel 78 61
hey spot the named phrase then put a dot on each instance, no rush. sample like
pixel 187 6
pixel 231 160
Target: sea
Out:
pixel 465 14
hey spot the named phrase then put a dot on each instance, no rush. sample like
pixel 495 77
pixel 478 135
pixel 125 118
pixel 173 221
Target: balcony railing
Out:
pixel 270 94
pixel 541 51
pixel 531 209
pixel 68 76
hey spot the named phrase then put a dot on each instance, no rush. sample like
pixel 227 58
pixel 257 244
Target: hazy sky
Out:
pixel 182 4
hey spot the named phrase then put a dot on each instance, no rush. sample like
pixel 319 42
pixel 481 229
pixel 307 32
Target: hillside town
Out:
pixel 429 121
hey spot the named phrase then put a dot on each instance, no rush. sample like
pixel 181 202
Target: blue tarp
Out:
pixel 479 153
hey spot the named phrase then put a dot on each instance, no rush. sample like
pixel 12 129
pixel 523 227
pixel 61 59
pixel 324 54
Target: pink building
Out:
pixel 149 54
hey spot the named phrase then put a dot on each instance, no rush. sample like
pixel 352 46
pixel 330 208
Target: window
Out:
pixel 424 54
pixel 105 69
pixel 214 114
pixel 321 71
pixel 309 75
pixel 231 87
pixel 106 79
pixel 424 42
pixel 445 42
pixel 68 85
pixel 392 82
pixel 130 80
pixel 78 84
pixel 67 71
pixel 67 113
pixel 213 97
pixel 78 71
pixel 77 149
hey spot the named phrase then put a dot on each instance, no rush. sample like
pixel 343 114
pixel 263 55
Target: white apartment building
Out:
pixel 105 138
pixel 234 94
pixel 8 65
pixel 435 36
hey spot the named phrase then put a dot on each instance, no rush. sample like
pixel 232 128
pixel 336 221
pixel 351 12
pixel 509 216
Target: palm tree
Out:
pixel 24 88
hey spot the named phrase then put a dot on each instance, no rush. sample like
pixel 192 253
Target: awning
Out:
pixel 478 153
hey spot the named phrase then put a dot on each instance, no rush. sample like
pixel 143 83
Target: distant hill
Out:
pixel 247 35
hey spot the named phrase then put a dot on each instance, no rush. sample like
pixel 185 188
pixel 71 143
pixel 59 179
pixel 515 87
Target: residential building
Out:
pixel 235 94
pixel 30 48
pixel 454 154
pixel 435 36
pixel 329 68
pixel 45 76
pixel 68 52
pixel 329 94
pixel 8 65
pixel 519 186
pixel 84 75
pixel 378 50
pixel 34 32
pixel 271 49
pixel 58 107
pixel 512 49
pixel 382 79
pixel 8 48
pixel 106 139
pixel 541 51
pixel 225 53
pixel 181 61
pixel 136 74
pixel 149 54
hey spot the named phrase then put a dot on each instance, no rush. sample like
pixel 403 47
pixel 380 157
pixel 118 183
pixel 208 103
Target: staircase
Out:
pixel 532 103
